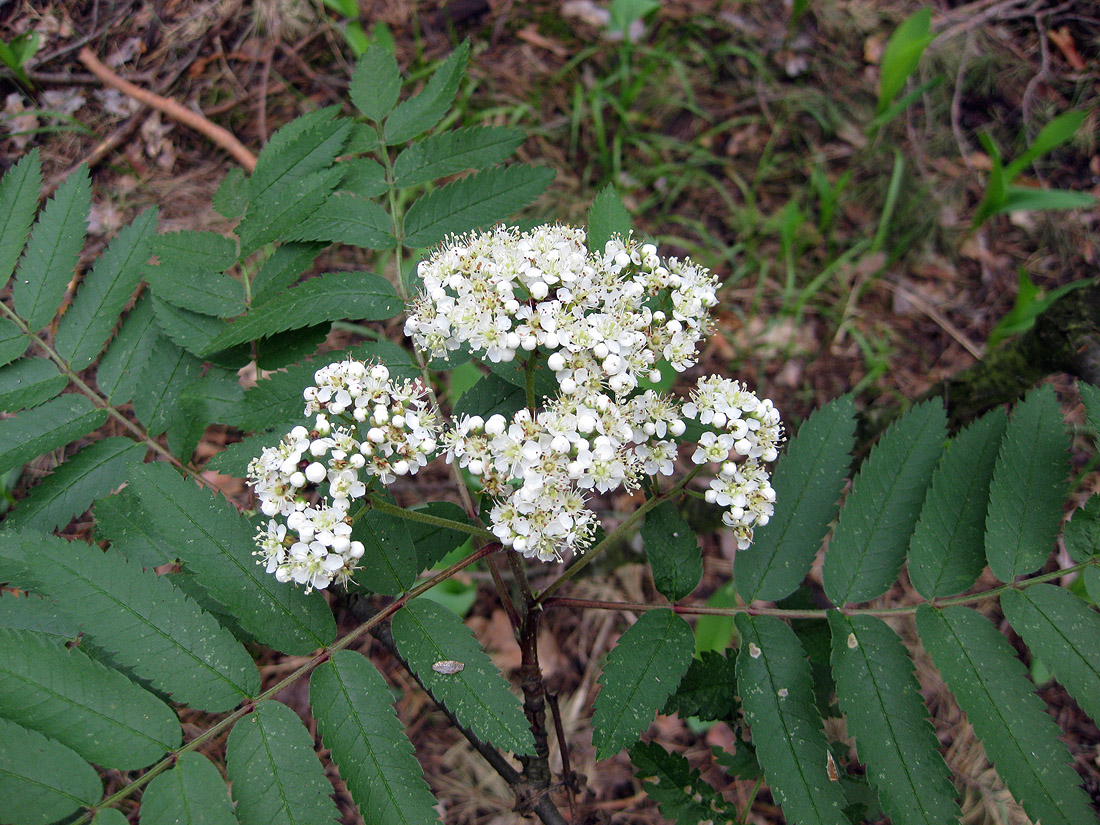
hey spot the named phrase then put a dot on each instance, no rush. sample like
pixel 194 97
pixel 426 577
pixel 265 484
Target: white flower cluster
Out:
pixel 603 320
pixel 390 430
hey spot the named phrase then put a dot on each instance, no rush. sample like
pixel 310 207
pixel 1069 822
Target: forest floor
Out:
pixel 735 135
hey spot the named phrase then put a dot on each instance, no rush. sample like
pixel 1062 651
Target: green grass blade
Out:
pixel 673 552
pixel 52 425
pixel 425 110
pixel 353 706
pixel 448 153
pixel 42 781
pixel 18 201
pixel 881 700
pixel 641 672
pixel 776 688
pixel 216 544
pixel 29 382
pixel 1029 486
pixel 192 793
pixel 808 481
pixel 82 704
pixel 902 55
pixel 124 361
pixel 53 251
pixel 426 634
pixel 275 775
pixel 1058 131
pixel 947 551
pixel 992 688
pixel 389 557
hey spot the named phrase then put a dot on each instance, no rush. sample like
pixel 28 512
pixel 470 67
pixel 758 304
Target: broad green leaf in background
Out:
pixel 277 215
pixel 123 363
pixel 673 552
pixel 389 558
pixel 216 544
pixel 708 689
pixel 231 198
pixel 28 383
pixel 431 541
pixel 348 219
pixel 282 269
pixel 902 55
pixel 478 200
pixel 274 772
pixel 1082 531
pixel 947 550
pixel 715 632
pixel 872 534
pixel 52 252
pixel 82 704
pixel 882 703
pixel 121 520
pixel 168 370
pixel 640 673
pixel 364 177
pixel 109 816
pixel 489 396
pixel 353 706
pixel 425 110
pixel 70 490
pixel 54 424
pixel 448 153
pixel 191 331
pixel 427 633
pixel 1091 396
pixel 992 688
pixel 104 292
pixel 42 781
pixel 776 691
pixel 13 341
pixel 1065 631
pixel 607 217
pixel 681 793
pixel 24 612
pixel 276 399
pixel 808 481
pixel 19 190
pixel 208 292
pixel 1029 485
pixel 375 83
pixel 191 793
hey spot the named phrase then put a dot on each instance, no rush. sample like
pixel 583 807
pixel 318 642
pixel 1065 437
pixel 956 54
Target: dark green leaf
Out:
pixel 872 534
pixel 478 200
pixel 276 399
pixel 708 689
pixel 640 674
pixel 1029 199
pixel 426 634
pixel 124 361
pixel 191 331
pixel 72 487
pixel 1065 632
pixel 448 153
pixel 121 520
pixel 947 551
pixel 37 614
pixel 1091 396
pixel 13 341
pixel 190 273
pixel 168 370
pixel 389 563
pixel 424 111
pixel 777 697
pixel 673 552
pixel 375 83
pixel 97 712
pixel 216 544
pixel 18 201
pixel 274 218
pixel 1020 738
pixel 489 396
pixel 364 177
pixel 882 703
pixel 1082 532
pixel 53 250
pixel 104 292
pixel 354 710
pixel 235 458
pixel 681 793
pixel 28 383
pixel 110 816
pixel 1029 486
pixel 348 219
pixel 808 481
pixel 192 793
pixel 42 781
pixel 397 359
pixel 303 147
pixel 52 425
pixel 607 217
pixel 282 269
pixel 232 196
pixel 1058 131
pixel 902 55
pixel 431 541
pixel 275 775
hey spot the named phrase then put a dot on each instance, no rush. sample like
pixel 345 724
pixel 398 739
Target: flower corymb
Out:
pixel 603 323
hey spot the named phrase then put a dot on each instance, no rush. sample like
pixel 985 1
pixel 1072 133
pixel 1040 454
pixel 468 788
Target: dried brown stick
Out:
pixel 220 136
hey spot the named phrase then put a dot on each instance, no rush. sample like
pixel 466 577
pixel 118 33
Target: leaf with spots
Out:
pixel 192 793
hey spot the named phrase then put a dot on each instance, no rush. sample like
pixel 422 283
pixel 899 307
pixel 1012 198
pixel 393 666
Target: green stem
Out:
pixel 384 506
pixel 304 670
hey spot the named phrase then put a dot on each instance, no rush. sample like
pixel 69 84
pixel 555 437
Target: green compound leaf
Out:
pixel 364 177
pixel 23 612
pixel 489 396
pixel 216 544
pixel 881 700
pixel 276 399
pixel 275 219
pixel 104 292
pixel 53 250
pixel 607 217
pixel 189 330
pixel 28 383
pixel 330 297
pixel 1029 485
pixel 123 363
pixel 777 697
pixel 231 198
pixel 42 781
pixel 808 481
pixel 425 110
pixel 1091 396
pixel 480 199
pixel 878 517
pixel 156 394
pixel 992 688
pixel 282 269
pixel 389 564
pixel 431 541
pixel 353 706
pixel 1065 631
pixel 708 689
pixel 192 793
pixel 190 273
pixel 427 633
pixel 52 425
pixel 436 156
pixel 19 190
pixel 13 341
pixel 275 775
pixel 1082 532
pixel 121 520
pixel 673 552
pixel 72 487
pixel 947 551
pixel 640 674
pixel 94 710
pixel 681 794
pixel 375 83
pixel 349 219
